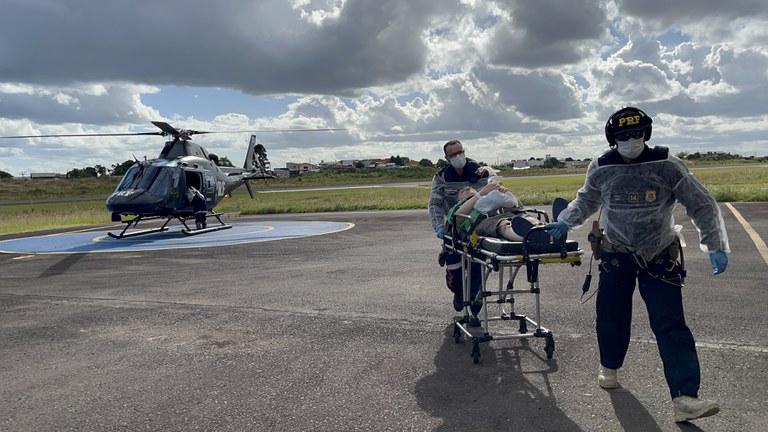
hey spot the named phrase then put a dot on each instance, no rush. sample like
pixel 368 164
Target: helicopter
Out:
pixel 184 182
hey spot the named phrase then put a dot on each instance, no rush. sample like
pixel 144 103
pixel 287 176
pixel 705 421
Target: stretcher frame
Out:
pixel 530 255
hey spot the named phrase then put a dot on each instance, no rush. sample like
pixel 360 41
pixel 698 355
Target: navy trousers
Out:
pixel 454 280
pixel 660 289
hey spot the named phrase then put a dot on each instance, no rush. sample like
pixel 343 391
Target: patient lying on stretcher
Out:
pixel 494 212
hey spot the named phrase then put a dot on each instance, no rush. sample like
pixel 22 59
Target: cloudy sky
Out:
pixel 512 79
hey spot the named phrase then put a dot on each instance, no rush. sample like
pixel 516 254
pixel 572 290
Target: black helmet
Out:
pixel 626 120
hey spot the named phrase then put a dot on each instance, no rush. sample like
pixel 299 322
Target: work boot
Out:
pixel 475 321
pixel 458 303
pixel 200 220
pixel 608 378
pixel 689 408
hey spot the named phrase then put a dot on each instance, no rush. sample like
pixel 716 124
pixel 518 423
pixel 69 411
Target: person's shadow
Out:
pixel 633 416
pixel 492 395
pixel 631 413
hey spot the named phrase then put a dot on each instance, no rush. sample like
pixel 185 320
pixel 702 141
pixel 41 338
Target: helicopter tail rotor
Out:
pixel 256 159
pixel 249 188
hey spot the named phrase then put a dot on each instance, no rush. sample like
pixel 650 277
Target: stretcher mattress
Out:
pixel 505 247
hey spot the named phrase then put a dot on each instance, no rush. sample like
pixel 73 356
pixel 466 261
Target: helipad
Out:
pixel 99 241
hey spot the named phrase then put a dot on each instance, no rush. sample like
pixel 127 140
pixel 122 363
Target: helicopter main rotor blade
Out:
pixel 170 130
pixel 81 135
pixel 279 130
pixel 165 127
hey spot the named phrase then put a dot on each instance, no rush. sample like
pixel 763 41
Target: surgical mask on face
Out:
pixel 459 161
pixel 631 148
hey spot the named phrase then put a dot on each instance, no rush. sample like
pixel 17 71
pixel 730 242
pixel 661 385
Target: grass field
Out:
pixel 726 184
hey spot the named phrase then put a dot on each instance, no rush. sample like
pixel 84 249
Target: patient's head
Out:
pixel 465 192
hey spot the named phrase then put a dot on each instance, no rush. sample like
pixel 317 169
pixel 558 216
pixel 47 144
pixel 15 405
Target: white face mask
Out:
pixel 459 161
pixel 631 148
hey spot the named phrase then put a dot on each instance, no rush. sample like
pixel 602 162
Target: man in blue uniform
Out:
pixel 196 198
pixel 637 188
pixel 457 174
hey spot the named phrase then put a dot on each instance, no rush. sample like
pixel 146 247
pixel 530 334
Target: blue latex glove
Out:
pixel 557 229
pixel 440 231
pixel 719 261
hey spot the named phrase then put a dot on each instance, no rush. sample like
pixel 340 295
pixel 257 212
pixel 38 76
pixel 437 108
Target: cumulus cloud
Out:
pixel 260 47
pixel 511 78
pixel 545 32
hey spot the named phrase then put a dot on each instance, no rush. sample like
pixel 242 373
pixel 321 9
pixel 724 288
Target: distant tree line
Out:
pixel 121 168
pixel 714 156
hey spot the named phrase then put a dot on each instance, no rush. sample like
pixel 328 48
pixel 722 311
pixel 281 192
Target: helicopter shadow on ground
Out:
pixel 492 395
pixel 61 266
pixel 107 243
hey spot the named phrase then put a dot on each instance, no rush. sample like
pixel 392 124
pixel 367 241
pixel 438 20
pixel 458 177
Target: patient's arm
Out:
pixel 469 204
pixel 466 208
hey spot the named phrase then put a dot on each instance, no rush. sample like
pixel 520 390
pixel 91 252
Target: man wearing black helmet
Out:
pixel 637 187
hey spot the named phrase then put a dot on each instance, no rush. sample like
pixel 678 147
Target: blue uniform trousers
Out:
pixel 659 283
pixel 455 282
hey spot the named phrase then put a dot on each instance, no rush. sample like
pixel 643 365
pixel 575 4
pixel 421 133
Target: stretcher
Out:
pixel 492 255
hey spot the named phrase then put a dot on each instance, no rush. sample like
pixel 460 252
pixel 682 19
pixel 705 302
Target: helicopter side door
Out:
pixel 175 191
pixel 209 191
pixel 195 180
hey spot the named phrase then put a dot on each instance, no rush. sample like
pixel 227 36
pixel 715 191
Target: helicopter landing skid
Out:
pixel 190 232
pixel 186 230
pixel 134 222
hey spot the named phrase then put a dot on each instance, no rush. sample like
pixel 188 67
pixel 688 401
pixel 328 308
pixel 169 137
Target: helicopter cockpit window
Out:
pixel 162 181
pixel 155 179
pixel 130 180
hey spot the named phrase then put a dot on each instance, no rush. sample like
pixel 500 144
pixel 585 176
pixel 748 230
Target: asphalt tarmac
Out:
pixel 350 331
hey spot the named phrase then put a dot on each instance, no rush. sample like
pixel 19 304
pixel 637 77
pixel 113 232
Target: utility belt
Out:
pixel 669 260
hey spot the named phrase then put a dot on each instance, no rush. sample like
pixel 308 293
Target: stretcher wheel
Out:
pixel 523 326
pixel 475 352
pixel 549 347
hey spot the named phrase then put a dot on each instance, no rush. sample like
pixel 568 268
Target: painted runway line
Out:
pixel 99 241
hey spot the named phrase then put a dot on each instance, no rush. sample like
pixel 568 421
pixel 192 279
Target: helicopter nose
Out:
pixel 133 201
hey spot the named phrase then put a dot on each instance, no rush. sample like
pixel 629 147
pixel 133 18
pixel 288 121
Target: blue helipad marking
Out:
pixel 99 241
